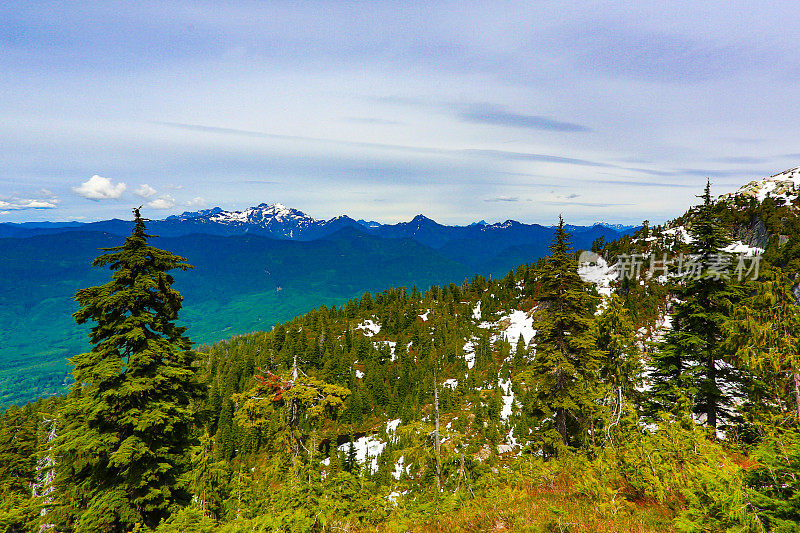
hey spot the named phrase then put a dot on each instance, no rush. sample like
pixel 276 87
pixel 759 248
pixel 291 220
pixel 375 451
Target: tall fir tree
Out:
pixel 691 361
pixel 561 383
pixel 621 365
pixel 126 426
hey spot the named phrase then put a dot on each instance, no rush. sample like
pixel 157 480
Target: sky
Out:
pixel 462 111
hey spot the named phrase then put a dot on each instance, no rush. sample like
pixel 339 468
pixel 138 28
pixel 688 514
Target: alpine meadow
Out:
pixel 617 350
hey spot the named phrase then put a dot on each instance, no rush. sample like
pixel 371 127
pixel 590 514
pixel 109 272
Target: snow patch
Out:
pixel 366 449
pixel 681 234
pixel 398 467
pixel 469 354
pixel 508 399
pixel 391 345
pixel 451 383
pixel 740 248
pixel 476 313
pixel 512 325
pixel 369 327
pixel 594 269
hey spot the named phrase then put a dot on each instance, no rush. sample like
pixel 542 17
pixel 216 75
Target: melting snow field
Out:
pixel 391 425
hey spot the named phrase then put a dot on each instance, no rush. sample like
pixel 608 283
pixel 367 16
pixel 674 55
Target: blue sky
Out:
pixel 462 111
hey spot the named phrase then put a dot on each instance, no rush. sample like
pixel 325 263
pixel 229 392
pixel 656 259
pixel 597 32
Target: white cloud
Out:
pixel 145 191
pixel 196 202
pixel 21 204
pixel 100 188
pixel 162 202
pixel 38 204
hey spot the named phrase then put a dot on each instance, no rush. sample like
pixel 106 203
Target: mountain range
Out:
pixel 253 268
pixel 281 222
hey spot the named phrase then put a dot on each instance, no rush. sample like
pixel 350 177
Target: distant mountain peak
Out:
pixel 480 223
pixel 503 225
pixel 616 227
pixel 368 223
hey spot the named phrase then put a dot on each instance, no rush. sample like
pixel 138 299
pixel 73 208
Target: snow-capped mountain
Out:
pixel 782 187
pixel 616 227
pixel 276 220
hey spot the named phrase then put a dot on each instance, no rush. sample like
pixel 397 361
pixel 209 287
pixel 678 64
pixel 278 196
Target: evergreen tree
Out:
pixel 126 426
pixel 206 475
pixel 691 360
pixel 562 381
pixel 621 366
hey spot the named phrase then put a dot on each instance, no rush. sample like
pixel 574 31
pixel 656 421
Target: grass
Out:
pixel 533 508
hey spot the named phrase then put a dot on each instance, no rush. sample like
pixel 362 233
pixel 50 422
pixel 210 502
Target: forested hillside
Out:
pixel 563 396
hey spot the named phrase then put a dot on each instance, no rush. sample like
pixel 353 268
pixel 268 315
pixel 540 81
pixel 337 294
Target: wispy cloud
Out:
pixel 741 160
pixel 371 120
pixel 493 154
pixel 496 115
pixel 582 204
pixel 545 158
pixel 503 199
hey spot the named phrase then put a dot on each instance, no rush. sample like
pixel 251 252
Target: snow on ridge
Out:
pixel 780 186
pixel 264 215
pixel 739 248
pixel 681 234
